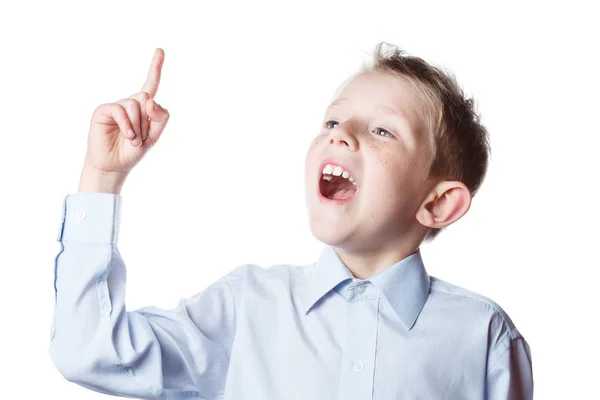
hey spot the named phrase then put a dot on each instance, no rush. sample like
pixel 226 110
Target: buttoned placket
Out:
pixel 358 356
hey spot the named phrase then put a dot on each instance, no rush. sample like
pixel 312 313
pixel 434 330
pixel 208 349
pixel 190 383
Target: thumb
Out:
pixel 159 117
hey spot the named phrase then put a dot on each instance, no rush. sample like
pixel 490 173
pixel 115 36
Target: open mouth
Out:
pixel 337 188
pixel 337 184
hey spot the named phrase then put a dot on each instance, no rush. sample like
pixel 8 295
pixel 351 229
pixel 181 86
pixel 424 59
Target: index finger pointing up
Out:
pixel 153 79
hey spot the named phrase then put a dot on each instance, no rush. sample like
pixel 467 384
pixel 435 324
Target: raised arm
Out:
pixel 95 342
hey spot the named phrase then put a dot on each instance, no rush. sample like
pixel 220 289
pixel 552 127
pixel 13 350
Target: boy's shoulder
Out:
pixel 475 305
pixel 265 276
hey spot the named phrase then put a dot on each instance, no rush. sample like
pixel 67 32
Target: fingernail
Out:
pixel 130 133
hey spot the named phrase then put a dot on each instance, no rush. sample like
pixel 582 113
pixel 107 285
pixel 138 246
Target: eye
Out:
pixel 326 124
pixel 383 130
pixel 386 133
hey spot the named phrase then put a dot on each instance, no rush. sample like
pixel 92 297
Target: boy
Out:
pixel 399 156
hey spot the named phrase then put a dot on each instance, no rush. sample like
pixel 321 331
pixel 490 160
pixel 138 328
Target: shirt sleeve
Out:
pixel 149 353
pixel 510 377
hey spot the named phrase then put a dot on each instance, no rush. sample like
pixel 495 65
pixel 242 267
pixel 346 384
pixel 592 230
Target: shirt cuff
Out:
pixel 91 217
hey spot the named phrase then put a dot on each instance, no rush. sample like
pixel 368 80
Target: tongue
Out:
pixel 343 194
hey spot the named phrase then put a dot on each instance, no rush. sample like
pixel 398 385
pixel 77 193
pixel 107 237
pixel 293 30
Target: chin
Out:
pixel 327 232
pixel 330 224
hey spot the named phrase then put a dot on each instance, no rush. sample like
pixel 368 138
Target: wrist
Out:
pixel 93 180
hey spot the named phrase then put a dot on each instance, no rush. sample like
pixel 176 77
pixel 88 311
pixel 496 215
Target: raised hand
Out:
pixel 122 132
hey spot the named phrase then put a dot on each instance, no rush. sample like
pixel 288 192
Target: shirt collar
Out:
pixel 405 284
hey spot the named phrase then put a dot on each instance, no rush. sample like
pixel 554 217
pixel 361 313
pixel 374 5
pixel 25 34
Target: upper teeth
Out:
pixel 336 170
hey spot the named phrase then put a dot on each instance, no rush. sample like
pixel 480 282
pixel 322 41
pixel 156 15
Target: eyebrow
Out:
pixel 336 102
pixel 394 111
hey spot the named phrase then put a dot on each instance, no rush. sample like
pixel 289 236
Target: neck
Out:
pixel 366 262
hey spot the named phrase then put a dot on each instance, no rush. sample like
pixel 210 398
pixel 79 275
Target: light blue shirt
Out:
pixel 284 332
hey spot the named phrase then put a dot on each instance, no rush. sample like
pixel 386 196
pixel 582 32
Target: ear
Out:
pixel 447 202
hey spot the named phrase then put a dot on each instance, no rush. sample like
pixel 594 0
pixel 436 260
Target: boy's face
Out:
pixel 375 129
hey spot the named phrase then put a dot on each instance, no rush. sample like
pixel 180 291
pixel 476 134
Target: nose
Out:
pixel 342 134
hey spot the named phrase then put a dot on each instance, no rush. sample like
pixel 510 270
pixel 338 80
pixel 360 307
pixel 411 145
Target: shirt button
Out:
pixel 360 289
pixel 80 215
pixel 359 367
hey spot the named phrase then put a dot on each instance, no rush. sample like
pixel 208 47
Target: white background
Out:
pixel 246 83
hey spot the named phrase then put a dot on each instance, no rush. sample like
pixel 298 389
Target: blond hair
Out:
pixel 459 142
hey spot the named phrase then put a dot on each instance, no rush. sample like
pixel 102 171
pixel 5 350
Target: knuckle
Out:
pixel 119 108
pixel 105 106
pixel 128 102
pixel 133 106
pixel 140 97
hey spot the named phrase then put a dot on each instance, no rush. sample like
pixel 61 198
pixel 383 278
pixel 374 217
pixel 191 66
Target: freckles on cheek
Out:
pixel 389 159
pixel 379 156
